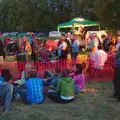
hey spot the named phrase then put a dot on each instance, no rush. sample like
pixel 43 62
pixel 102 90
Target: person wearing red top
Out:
pixel 44 54
pixel 6 42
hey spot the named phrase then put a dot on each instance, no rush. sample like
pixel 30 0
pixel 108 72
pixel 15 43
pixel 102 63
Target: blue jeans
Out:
pixel 23 94
pixel 74 55
pixel 55 97
pixel 49 76
pixel 6 92
pixel 77 90
pixel 54 81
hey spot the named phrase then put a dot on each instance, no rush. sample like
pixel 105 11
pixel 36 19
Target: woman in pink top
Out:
pixel 79 79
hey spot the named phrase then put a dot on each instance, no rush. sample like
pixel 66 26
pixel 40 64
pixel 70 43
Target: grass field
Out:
pixel 89 106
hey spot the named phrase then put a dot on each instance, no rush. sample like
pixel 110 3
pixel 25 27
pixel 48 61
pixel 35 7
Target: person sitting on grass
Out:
pixel 79 79
pixel 64 92
pixel 24 75
pixel 55 79
pixel 6 89
pixel 33 91
pixel 51 79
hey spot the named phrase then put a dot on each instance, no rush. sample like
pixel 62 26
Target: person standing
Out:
pixel 2 51
pixel 75 46
pixel 68 40
pixel 29 38
pixel 6 41
pixel 116 80
pixel 97 60
pixel 99 57
pixel 35 48
pixel 93 41
pixel 28 48
pixel 118 43
pixel 105 42
pixel 62 48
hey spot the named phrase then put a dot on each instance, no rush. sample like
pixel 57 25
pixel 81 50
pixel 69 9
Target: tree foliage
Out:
pixel 39 15
pixel 108 12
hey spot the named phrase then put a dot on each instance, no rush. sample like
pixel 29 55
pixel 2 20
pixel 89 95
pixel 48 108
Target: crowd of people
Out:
pixel 61 86
pixel 68 44
pixel 43 52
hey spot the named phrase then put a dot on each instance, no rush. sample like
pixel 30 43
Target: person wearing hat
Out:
pixel 6 89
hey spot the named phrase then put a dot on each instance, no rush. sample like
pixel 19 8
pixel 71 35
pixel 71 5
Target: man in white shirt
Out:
pixel 99 57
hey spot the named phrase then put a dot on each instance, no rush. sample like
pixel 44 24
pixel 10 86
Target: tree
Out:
pixel 39 15
pixel 82 8
pixel 108 12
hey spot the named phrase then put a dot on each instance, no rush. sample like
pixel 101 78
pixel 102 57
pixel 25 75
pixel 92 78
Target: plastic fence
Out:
pixel 91 74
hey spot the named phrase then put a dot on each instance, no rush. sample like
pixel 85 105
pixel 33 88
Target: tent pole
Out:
pixel 99 27
pixel 58 29
pixel 73 28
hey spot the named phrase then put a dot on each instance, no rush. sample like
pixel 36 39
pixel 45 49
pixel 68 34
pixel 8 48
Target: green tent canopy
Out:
pixel 77 22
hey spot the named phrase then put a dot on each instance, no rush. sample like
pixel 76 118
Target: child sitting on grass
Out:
pixel 55 79
pixel 78 78
pixel 51 79
pixel 65 89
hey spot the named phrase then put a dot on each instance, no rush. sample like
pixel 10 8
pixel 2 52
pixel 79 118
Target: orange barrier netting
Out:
pixel 91 74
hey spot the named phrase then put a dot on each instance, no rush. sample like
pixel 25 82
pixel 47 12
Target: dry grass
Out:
pixel 89 106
